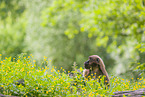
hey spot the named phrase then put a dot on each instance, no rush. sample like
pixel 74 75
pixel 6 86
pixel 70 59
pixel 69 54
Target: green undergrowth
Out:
pixel 47 81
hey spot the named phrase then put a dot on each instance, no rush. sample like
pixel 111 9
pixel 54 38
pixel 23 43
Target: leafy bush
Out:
pixel 12 36
pixel 48 81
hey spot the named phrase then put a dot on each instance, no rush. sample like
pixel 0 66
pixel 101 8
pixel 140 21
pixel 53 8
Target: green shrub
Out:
pixel 12 36
pixel 48 81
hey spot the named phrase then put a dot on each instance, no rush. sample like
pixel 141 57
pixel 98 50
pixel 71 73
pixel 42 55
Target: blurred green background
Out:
pixel 68 31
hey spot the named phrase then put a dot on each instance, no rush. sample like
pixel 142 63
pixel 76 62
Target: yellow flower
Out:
pixel 0 54
pixel 1 61
pixel 32 68
pixel 18 61
pixel 36 87
pixel 126 85
pixel 143 86
pixel 22 69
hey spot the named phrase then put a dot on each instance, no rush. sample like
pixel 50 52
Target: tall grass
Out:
pixel 47 81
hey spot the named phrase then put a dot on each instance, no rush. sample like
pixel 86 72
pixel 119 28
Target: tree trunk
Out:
pixel 136 93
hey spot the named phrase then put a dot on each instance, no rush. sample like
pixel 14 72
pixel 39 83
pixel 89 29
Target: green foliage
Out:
pixel 101 18
pixel 66 40
pixel 12 37
pixel 141 69
pixel 49 82
pixel 116 26
pixel 139 65
pixel 13 8
pixel 68 31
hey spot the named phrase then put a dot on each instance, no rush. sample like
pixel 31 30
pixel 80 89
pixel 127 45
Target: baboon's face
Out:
pixel 94 61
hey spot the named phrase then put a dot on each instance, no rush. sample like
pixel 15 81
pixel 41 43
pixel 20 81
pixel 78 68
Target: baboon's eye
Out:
pixel 91 58
pixel 97 60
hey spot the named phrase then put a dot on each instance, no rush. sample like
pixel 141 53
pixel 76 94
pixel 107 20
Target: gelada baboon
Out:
pixel 95 66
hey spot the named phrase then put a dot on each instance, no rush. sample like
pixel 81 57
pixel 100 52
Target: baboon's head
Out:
pixel 92 62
